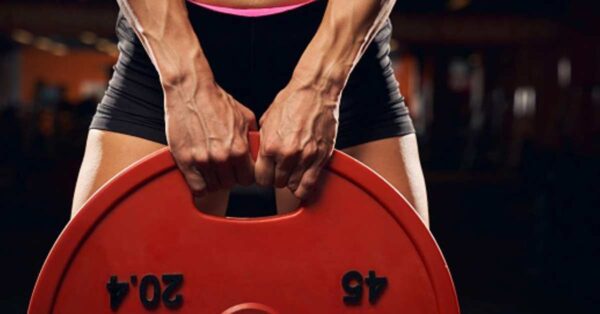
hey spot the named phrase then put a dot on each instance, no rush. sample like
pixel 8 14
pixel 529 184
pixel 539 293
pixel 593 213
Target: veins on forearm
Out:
pixel 167 36
pixel 348 27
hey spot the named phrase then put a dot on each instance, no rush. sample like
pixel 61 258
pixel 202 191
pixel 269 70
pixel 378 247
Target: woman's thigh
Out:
pixel 106 154
pixel 397 160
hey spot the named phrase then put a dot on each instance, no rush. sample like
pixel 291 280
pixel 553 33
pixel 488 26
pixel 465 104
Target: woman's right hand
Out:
pixel 207 132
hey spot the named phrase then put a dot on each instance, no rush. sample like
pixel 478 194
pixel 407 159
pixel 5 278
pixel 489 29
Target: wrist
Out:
pixel 326 64
pixel 187 79
pixel 187 66
pixel 328 80
pixel 186 86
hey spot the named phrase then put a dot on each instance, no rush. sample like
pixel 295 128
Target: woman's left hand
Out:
pixel 298 134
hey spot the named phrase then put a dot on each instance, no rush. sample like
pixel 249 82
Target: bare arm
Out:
pixel 206 128
pixel 167 35
pixel 347 28
pixel 299 129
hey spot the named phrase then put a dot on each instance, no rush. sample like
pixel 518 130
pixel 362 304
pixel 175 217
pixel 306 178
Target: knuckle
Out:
pixel 182 157
pixel 219 156
pixel 290 151
pixel 271 148
pixel 320 151
pixel 306 185
pixel 300 193
pixel 303 190
pixel 238 151
pixel 184 162
pixel 310 151
pixel 197 188
pixel 199 158
pixel 309 180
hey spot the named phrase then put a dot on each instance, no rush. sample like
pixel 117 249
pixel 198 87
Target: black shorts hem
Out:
pixel 367 136
pixel 128 128
pixel 158 136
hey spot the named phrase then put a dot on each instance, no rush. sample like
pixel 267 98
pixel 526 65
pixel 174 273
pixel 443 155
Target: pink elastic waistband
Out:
pixel 255 12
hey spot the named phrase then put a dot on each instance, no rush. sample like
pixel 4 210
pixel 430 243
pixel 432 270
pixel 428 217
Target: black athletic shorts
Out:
pixel 253 58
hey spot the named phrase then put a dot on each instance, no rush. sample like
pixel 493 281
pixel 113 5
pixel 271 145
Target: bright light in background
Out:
pixel 53 47
pixel 43 43
pixel 107 46
pixel 564 72
pixel 458 75
pixel 59 49
pixel 40 42
pixel 22 36
pixel 102 43
pixel 88 38
pixel 524 102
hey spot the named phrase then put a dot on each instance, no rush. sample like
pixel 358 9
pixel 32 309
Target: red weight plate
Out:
pixel 139 245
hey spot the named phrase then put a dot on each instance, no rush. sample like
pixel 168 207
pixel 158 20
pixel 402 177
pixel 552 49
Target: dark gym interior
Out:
pixel 505 96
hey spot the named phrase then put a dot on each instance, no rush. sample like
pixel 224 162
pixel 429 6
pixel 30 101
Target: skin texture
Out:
pixel 206 127
pixel 106 154
pixel 395 159
pixel 297 140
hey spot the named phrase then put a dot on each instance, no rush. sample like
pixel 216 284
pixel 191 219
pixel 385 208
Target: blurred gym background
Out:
pixel 505 95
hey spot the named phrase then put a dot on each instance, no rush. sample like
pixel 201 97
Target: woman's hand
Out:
pixel 298 134
pixel 207 132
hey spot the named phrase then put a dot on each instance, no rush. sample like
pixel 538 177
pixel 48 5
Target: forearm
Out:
pixel 347 28
pixel 169 39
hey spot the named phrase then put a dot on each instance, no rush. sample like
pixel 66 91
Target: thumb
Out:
pixel 264 170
